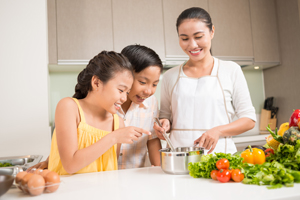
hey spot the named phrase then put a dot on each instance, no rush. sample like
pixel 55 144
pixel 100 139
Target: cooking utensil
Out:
pixel 20 163
pixel 176 162
pixel 6 182
pixel 165 135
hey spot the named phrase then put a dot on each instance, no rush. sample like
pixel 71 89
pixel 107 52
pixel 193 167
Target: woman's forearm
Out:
pixel 237 127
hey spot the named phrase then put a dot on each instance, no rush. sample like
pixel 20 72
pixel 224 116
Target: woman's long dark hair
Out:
pixel 195 13
pixel 141 57
pixel 104 65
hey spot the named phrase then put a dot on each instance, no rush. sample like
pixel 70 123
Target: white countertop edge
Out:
pixel 249 138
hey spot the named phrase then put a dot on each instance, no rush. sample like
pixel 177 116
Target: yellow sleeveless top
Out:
pixel 86 136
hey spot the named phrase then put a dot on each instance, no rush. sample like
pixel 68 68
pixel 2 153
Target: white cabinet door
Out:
pixel 264 31
pixel 231 19
pixel 84 28
pixel 138 22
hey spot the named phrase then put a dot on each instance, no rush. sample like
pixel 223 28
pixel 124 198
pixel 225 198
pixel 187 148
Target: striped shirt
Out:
pixel 142 116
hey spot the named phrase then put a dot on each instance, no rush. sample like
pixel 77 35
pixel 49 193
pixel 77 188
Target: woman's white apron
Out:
pixel 198 104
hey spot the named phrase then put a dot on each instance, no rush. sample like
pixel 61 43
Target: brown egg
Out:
pixel 52 180
pixel 25 180
pixel 37 171
pixel 44 172
pixel 18 179
pixel 36 185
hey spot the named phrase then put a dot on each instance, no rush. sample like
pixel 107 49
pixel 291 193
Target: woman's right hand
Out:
pixel 159 130
pixel 129 134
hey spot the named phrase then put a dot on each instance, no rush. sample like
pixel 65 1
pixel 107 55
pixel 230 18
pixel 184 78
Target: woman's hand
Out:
pixel 159 130
pixel 129 134
pixel 40 165
pixel 209 139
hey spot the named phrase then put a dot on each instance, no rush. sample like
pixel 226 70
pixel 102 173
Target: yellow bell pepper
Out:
pixel 283 127
pixel 253 156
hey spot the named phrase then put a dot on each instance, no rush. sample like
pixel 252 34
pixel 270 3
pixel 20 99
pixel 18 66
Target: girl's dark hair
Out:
pixel 195 13
pixel 104 65
pixel 141 57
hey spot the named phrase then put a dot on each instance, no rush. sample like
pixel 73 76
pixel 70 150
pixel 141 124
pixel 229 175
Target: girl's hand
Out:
pixel 129 134
pixel 209 139
pixel 159 130
pixel 41 165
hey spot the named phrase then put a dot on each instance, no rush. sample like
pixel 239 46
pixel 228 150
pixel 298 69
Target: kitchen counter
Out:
pixel 153 184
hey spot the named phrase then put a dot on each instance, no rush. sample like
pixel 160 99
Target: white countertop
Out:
pixel 153 184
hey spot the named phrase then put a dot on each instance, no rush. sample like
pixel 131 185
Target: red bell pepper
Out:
pixel 294 118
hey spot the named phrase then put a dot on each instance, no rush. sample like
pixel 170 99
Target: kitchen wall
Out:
pixel 62 85
pixel 283 82
pixel 24 118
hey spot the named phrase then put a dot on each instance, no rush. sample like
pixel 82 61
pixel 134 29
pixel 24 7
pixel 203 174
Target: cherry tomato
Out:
pixel 230 171
pixel 223 175
pixel 213 174
pixel 222 164
pixel 237 175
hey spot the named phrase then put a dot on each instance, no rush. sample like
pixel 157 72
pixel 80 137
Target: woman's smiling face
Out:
pixel 195 38
pixel 144 84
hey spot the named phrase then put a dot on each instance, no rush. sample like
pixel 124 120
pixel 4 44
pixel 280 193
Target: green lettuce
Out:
pixel 208 163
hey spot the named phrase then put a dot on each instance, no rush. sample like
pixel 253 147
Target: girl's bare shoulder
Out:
pixel 67 104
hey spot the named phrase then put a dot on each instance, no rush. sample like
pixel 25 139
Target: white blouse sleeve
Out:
pixel 168 81
pixel 241 96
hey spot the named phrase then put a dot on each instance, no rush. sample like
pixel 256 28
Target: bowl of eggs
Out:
pixel 37 181
pixel 6 182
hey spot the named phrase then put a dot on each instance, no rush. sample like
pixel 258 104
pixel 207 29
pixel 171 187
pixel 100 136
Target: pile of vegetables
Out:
pixel 288 133
pixel 277 166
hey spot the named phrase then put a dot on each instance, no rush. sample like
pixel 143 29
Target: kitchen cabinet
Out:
pixel 264 31
pixel 171 10
pixel 51 6
pixel 84 28
pixel 138 22
pixel 232 22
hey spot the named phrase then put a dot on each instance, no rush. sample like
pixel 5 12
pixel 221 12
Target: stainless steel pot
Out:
pixel 176 162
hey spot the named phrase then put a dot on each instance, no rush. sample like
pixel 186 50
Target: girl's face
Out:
pixel 115 91
pixel 195 38
pixel 144 84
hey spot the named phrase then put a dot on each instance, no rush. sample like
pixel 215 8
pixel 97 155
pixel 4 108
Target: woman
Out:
pixel 200 97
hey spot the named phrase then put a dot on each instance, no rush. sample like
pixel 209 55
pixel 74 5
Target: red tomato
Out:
pixel 213 174
pixel 223 164
pixel 237 175
pixel 223 175
pixel 230 171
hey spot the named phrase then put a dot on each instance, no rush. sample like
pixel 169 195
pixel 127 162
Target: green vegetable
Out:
pixel 208 163
pixel 275 135
pixel 5 165
pixel 291 135
pixel 288 155
pixel 273 174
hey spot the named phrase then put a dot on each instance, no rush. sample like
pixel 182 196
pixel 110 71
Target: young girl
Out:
pixel 201 97
pixel 87 126
pixel 141 107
